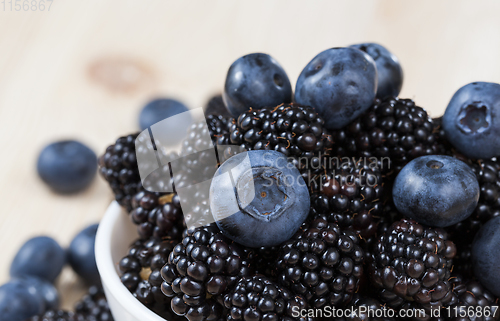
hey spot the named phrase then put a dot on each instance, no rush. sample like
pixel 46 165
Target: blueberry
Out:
pixel 44 289
pixel 67 166
pixel 160 109
pixel 340 83
pixel 81 255
pixel 40 257
pixel 255 80
pixel 436 190
pixel 471 120
pixel 486 256
pixel 389 71
pixel 19 302
pixel 268 202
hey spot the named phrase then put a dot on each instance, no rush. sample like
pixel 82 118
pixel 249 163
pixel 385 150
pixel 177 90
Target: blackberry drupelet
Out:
pixel 323 263
pixel 412 263
pixel 351 195
pixel 291 129
pixel 157 215
pixel 393 127
pixel 259 298
pixel 200 270
pixel 118 166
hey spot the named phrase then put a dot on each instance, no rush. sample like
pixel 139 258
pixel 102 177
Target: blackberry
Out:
pixel 197 152
pixel 216 106
pixel 351 194
pixel 218 125
pixel 197 149
pixel 140 273
pixel 471 294
pixel 412 263
pixel 323 263
pixel 394 128
pixel 444 147
pixel 488 176
pixel 118 166
pixel 157 215
pixel 58 315
pixel 468 302
pixel 94 306
pixel 198 163
pixel 384 223
pixel 200 270
pixel 291 129
pixel 259 298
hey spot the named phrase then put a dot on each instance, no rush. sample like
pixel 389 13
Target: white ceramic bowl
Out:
pixel 115 234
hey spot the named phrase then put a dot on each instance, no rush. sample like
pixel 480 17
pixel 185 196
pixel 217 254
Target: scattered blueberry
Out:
pixel 44 289
pixel 40 257
pixel 18 302
pixel 436 190
pixel 485 256
pixel 389 71
pixel 81 255
pixel 471 122
pixel 268 202
pixel 158 110
pixel 255 80
pixel 67 166
pixel 340 83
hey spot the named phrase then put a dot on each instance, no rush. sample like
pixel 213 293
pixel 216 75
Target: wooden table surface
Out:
pixel 84 69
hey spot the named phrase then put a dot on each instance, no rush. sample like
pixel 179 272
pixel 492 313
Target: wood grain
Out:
pixel 84 69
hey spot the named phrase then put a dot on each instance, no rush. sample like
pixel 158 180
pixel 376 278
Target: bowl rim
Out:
pixel 107 269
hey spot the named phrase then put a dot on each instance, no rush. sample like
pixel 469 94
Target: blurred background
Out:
pixel 84 69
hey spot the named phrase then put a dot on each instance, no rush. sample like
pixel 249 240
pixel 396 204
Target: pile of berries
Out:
pixel 343 195
pixel 92 307
pixel 31 294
